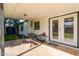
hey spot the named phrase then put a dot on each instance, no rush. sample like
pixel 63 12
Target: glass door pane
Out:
pixel 55 29
pixel 68 28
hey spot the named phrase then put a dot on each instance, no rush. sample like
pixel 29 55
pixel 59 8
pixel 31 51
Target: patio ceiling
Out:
pixel 37 10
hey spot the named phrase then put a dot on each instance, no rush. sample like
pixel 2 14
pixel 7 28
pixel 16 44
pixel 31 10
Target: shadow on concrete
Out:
pixel 13 43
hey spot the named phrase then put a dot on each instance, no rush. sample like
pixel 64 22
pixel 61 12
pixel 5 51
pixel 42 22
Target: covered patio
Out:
pixel 58 22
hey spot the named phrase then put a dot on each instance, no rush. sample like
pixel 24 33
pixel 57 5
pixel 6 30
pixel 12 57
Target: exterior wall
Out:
pixel 25 29
pixel 44 27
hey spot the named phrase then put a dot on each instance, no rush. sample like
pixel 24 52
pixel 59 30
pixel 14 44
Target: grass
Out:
pixel 10 37
pixel 68 35
pixel 13 37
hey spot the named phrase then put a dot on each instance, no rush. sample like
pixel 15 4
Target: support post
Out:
pixel 2 29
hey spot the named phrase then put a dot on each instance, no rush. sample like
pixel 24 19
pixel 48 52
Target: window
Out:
pixel 55 29
pixel 22 26
pixel 68 28
pixel 36 25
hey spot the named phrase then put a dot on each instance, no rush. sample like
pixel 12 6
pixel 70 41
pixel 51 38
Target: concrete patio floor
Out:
pixel 40 50
pixel 17 47
pixel 44 50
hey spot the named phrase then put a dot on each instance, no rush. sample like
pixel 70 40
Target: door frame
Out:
pixel 50 29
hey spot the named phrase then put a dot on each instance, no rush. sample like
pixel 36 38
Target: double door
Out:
pixel 64 30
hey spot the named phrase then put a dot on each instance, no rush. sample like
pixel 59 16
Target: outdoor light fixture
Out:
pixel 25 14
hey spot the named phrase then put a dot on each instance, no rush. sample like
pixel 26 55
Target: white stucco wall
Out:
pixel 43 26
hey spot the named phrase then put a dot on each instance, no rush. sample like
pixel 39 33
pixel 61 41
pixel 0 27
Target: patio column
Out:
pixel 1 29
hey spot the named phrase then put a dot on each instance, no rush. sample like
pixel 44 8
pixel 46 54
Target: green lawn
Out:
pixel 68 35
pixel 13 37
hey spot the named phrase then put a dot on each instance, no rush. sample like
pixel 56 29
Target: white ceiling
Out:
pixel 36 10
